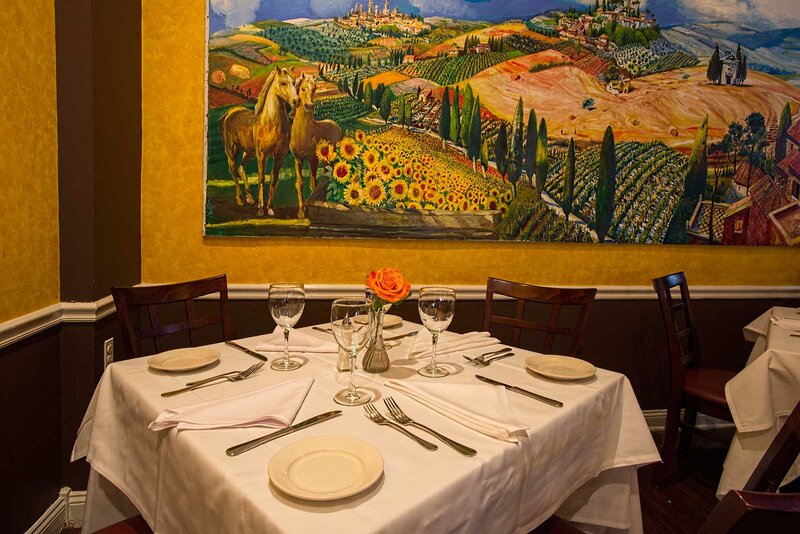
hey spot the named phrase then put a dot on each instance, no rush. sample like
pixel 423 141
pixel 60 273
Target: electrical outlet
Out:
pixel 108 352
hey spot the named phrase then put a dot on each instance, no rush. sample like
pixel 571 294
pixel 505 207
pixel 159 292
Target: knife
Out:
pixel 252 353
pixel 515 389
pixel 401 336
pixel 252 444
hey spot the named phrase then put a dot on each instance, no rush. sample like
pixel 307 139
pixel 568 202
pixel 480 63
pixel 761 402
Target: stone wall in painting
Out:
pixel 613 121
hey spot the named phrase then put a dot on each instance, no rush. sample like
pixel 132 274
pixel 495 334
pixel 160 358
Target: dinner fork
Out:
pixel 252 369
pixel 231 378
pixel 376 417
pixel 492 356
pixel 401 417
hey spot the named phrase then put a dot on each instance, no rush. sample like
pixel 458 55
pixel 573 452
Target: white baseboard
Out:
pixel 67 511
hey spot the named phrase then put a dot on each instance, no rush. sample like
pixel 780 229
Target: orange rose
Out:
pixel 389 284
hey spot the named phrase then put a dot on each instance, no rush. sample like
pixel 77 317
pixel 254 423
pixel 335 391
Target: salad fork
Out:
pixel 252 369
pixel 401 417
pixel 208 382
pixel 485 359
pixel 374 415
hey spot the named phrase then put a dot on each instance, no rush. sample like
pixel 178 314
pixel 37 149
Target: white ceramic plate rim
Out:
pixel 584 368
pixel 166 361
pixel 284 458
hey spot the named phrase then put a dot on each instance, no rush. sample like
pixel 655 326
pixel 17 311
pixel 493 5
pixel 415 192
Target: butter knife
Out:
pixel 252 353
pixel 252 444
pixel 515 389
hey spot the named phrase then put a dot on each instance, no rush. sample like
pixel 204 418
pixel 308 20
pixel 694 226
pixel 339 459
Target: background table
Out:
pixel 580 459
pixel 760 397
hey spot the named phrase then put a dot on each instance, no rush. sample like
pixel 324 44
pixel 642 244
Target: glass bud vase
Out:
pixel 376 359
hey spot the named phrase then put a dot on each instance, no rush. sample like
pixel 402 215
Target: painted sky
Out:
pixel 760 14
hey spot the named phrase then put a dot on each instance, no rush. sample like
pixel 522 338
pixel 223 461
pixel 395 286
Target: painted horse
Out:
pixel 307 132
pixel 260 133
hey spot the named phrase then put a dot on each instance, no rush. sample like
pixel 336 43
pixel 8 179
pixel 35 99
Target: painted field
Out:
pixel 666 107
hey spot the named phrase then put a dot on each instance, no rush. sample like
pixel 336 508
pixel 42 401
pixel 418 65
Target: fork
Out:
pixel 376 417
pixel 401 417
pixel 252 369
pixel 230 378
pixel 494 355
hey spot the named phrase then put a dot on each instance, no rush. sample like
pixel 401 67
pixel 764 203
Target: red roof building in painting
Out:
pixel 794 136
pixel 748 222
pixel 788 174
pixel 746 176
pixel 786 225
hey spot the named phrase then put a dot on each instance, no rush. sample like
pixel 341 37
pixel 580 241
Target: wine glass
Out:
pixel 286 303
pixel 436 309
pixel 351 322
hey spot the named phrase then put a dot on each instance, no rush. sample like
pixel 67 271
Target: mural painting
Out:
pixel 616 121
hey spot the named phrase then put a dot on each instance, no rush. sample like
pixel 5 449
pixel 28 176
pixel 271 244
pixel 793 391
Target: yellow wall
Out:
pixel 173 63
pixel 29 269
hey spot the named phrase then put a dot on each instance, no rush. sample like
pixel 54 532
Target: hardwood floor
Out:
pixel 679 508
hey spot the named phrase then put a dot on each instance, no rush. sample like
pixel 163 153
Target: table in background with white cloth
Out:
pixel 579 460
pixel 762 395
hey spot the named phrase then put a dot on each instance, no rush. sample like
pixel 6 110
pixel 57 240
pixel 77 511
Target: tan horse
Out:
pixel 307 132
pixel 261 133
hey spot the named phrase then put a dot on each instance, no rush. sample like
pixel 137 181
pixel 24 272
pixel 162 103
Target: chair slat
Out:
pixel 554 297
pixel 130 300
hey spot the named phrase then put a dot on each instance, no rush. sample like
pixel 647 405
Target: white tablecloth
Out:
pixel 760 398
pixel 579 460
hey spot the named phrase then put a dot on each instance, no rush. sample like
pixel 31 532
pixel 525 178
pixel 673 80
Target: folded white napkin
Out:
pixel 298 342
pixel 483 408
pixel 450 342
pixel 274 406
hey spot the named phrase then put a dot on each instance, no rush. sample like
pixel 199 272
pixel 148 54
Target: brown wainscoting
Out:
pixel 30 412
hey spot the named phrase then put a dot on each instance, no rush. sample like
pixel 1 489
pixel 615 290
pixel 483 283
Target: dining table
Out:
pixel 578 461
pixel 763 394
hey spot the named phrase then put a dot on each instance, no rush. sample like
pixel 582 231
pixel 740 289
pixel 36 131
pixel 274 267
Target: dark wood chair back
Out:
pixel 682 338
pixel 780 456
pixel 754 512
pixel 554 296
pixel 130 301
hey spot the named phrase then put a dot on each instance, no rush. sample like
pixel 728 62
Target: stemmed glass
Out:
pixel 436 309
pixel 351 322
pixel 286 303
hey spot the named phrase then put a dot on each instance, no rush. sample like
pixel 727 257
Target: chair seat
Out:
pixel 707 385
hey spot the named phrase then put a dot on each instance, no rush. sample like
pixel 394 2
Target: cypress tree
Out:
pixel 569 180
pixel 697 172
pixel 606 186
pixel 386 106
pixel 360 93
pixel 455 118
pixel 444 116
pixel 409 111
pixel 742 70
pixel 401 110
pixel 531 139
pixel 377 97
pixel 466 115
pixel 368 96
pixel 474 147
pixel 783 133
pixel 517 149
pixel 714 71
pixel 484 156
pixel 541 156
pixel 500 150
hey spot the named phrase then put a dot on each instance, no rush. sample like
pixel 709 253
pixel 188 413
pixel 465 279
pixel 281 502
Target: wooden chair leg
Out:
pixel 669 447
pixel 690 419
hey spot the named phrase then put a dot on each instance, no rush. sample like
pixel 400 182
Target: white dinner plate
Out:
pixel 325 468
pixel 389 321
pixel 186 359
pixel 560 367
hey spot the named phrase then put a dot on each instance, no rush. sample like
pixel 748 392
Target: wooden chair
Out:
pixel 554 296
pixel 130 300
pixel 692 387
pixel 757 508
